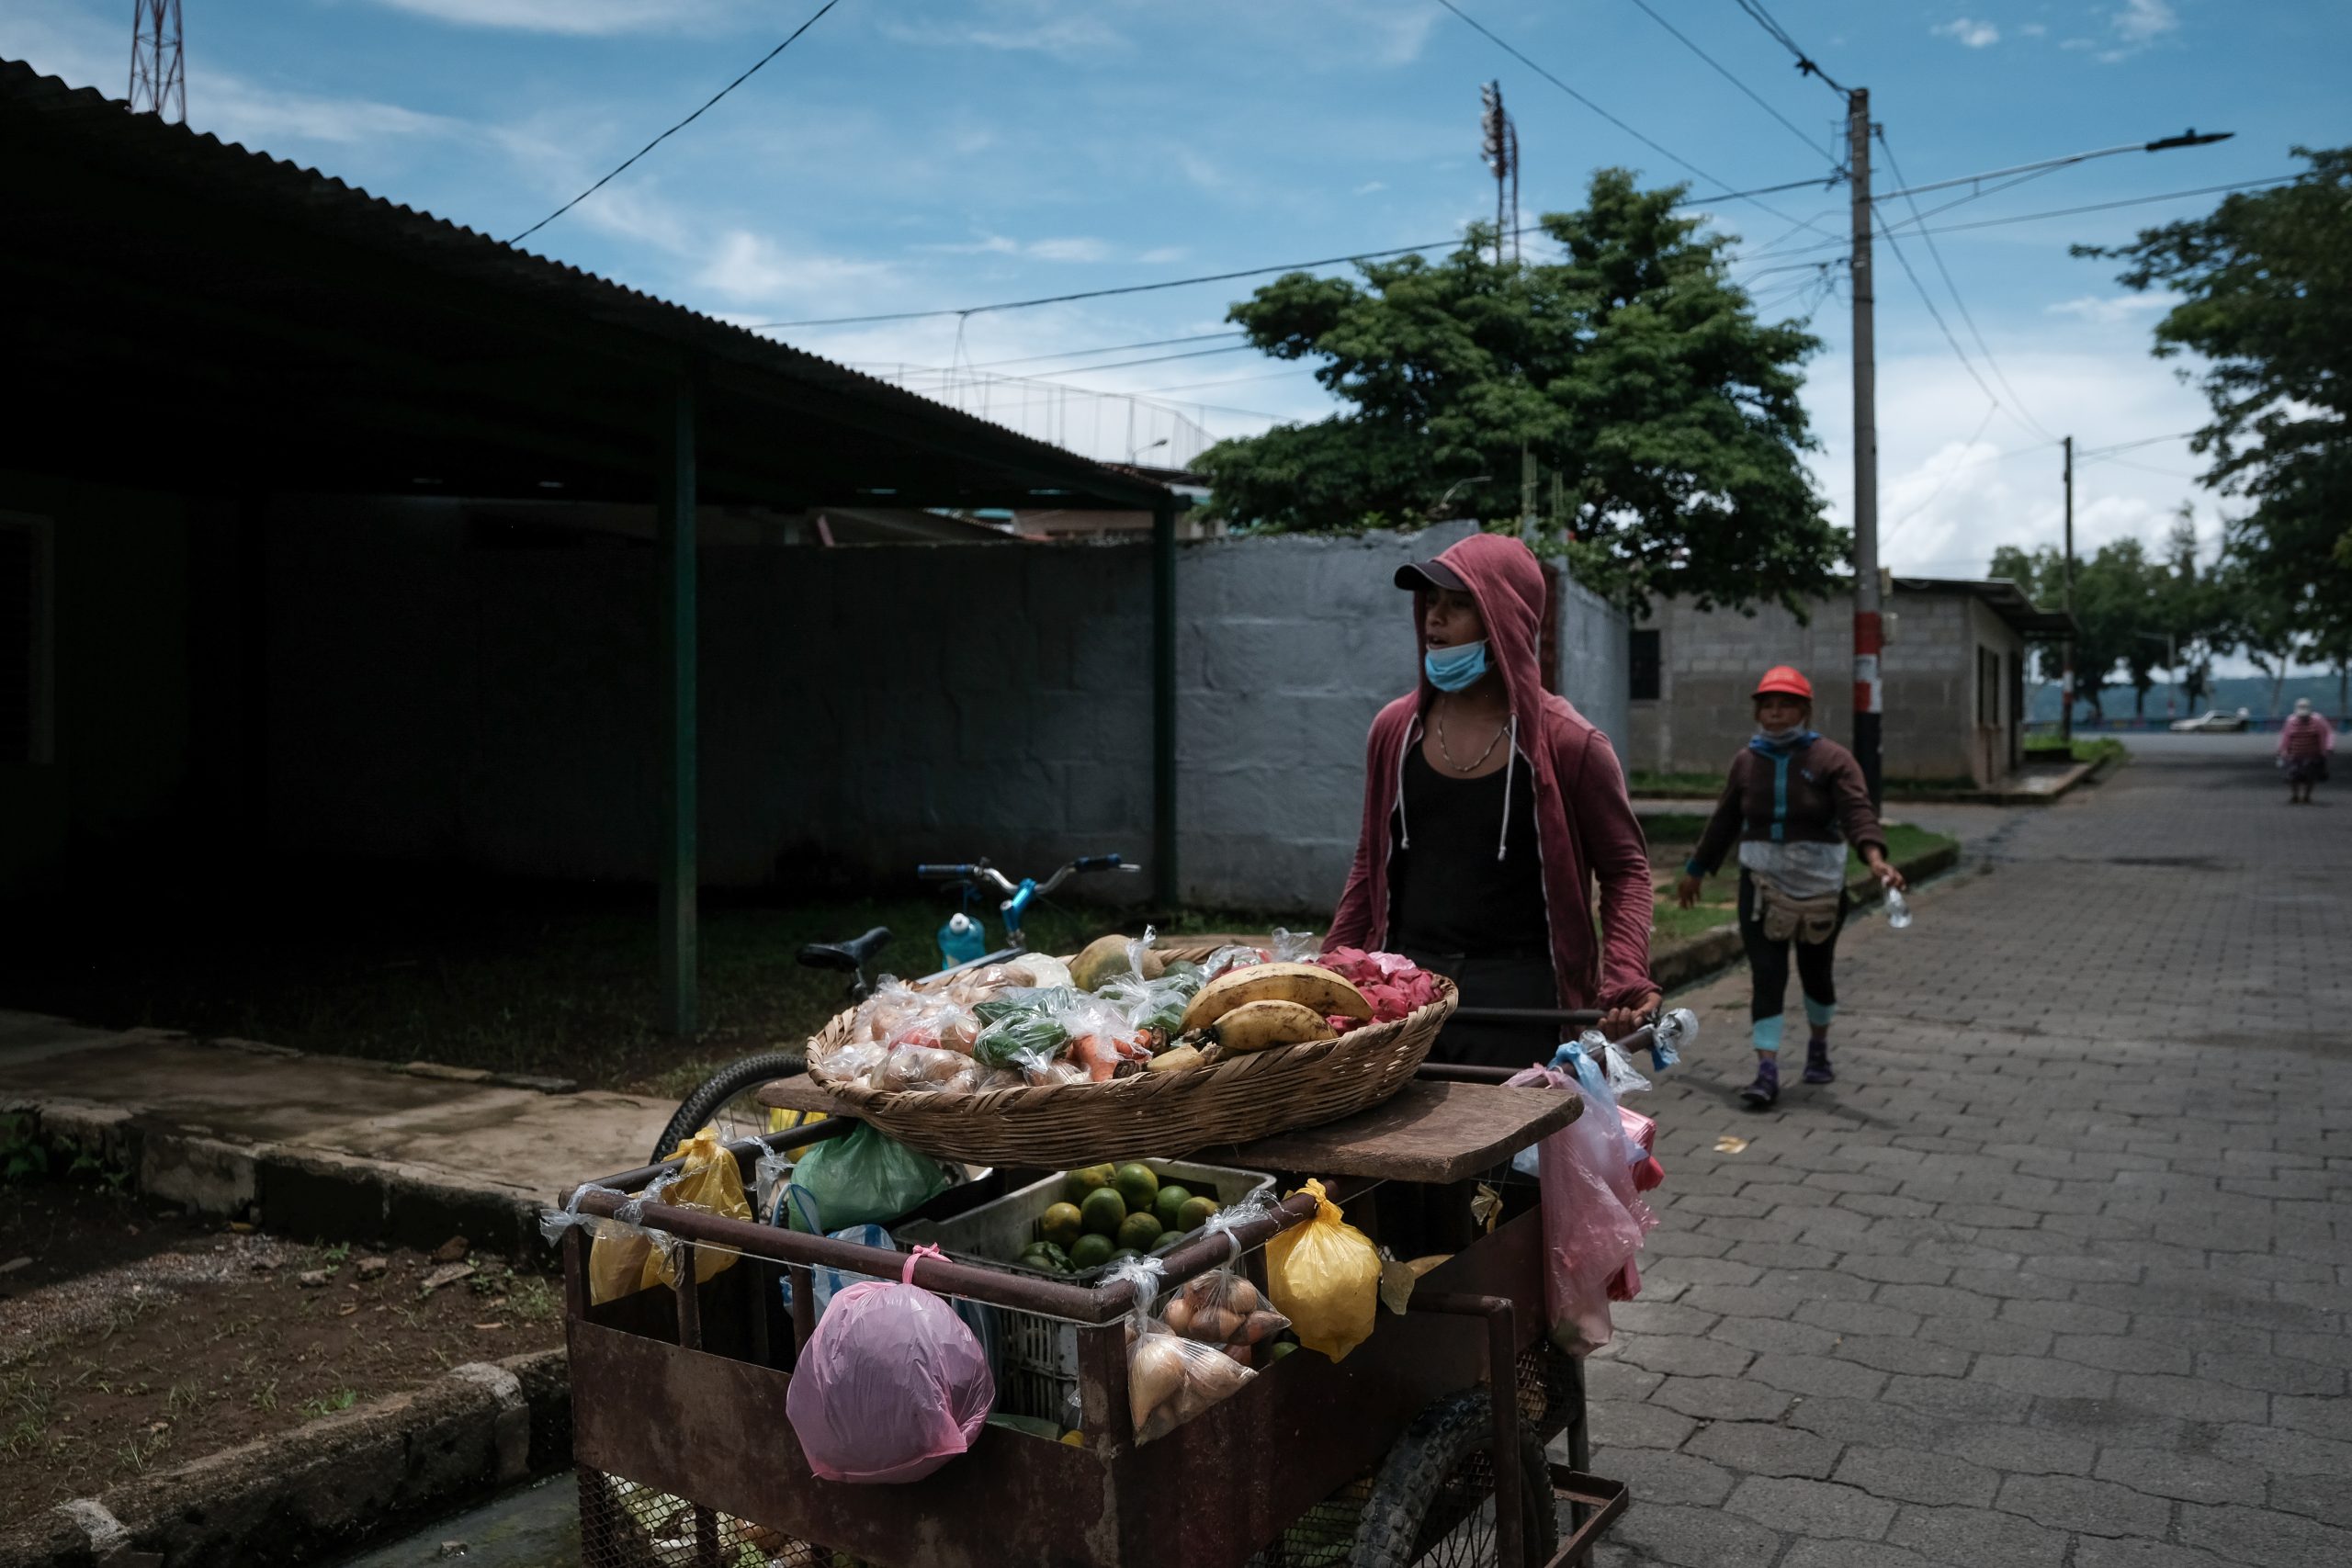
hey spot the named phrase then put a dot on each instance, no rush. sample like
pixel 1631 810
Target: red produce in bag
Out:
pixel 892 1385
pixel 1594 1224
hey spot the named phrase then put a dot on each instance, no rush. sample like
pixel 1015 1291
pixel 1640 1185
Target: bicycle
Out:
pixel 724 1099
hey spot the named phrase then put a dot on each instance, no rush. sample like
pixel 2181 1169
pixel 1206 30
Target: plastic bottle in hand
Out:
pixel 1898 912
pixel 961 940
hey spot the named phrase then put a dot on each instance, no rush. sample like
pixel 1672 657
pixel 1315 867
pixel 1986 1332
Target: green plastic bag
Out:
pixel 857 1179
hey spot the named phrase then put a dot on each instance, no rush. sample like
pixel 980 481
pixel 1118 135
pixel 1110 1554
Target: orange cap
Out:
pixel 1785 680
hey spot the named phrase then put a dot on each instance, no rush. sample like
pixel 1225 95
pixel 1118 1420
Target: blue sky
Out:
pixel 925 154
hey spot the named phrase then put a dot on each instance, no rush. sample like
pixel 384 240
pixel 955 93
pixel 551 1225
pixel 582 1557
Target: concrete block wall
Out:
pixel 863 709
pixel 1711 659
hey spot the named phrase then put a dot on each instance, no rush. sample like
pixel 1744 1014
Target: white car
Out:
pixel 2212 721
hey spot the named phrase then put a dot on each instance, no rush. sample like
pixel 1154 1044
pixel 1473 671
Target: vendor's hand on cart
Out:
pixel 1619 1022
pixel 1686 892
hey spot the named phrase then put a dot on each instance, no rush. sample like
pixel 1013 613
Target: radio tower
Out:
pixel 1499 144
pixel 158 78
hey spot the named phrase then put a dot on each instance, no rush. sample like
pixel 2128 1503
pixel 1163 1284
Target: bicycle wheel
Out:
pixel 724 1100
pixel 1432 1503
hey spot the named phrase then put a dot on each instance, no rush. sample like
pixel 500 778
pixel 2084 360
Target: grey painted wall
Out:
pixel 863 708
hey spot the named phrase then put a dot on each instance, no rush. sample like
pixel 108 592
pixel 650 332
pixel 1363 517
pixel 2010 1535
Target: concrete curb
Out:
pixel 1696 959
pixel 297 1191
pixel 324 1487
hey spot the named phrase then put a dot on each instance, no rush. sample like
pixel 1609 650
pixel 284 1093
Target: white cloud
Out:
pixel 751 268
pixel 229 105
pixel 1969 33
pixel 1369 186
pixel 1071 248
pixel 2107 309
pixel 1076 249
pixel 2142 21
pixel 2033 30
pixel 574 17
pixel 1018 28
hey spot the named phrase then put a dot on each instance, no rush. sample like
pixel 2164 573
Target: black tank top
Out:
pixel 1448 893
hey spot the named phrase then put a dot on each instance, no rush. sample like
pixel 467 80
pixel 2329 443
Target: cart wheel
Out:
pixel 1432 1501
pixel 724 1099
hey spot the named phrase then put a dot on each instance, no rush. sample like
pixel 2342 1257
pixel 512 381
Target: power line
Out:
pixel 1945 483
pixel 1781 35
pixel 1679 38
pixel 1928 300
pixel 1960 305
pixel 1908 226
pixel 674 130
pixel 1512 50
pixel 1105 348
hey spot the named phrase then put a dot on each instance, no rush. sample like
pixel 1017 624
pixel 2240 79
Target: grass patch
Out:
pixel 2093 748
pixel 1641 782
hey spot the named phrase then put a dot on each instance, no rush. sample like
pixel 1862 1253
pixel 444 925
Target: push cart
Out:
pixel 1399 1454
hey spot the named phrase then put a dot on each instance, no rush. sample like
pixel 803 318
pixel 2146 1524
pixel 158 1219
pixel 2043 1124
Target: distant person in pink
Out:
pixel 2305 742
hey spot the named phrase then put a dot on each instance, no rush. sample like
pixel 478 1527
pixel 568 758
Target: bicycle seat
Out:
pixel 853 955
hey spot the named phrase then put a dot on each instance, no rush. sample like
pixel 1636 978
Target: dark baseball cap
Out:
pixel 1430 574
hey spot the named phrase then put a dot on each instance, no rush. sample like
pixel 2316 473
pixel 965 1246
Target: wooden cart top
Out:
pixel 1430 1131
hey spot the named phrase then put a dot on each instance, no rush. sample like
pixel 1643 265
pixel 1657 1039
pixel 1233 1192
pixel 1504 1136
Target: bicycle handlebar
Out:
pixel 981 871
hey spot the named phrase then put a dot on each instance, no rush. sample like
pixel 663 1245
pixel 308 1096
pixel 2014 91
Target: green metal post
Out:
pixel 679 997
pixel 1164 702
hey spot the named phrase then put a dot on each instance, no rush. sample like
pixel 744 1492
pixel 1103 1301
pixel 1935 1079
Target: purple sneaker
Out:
pixel 1760 1094
pixel 1816 1063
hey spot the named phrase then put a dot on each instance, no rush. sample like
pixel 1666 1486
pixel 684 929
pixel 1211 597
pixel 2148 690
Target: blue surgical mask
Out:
pixel 1452 669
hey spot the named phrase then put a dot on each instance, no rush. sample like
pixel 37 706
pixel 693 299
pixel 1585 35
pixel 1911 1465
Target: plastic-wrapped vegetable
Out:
pixel 1223 1309
pixel 892 1385
pixel 1325 1277
pixel 1021 1025
pixel 1171 1378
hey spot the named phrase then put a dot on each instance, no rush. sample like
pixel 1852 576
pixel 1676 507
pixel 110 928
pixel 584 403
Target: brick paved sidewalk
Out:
pixel 2060 1270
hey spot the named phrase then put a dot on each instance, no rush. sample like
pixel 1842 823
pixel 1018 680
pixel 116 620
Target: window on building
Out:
pixel 23 640
pixel 1645 666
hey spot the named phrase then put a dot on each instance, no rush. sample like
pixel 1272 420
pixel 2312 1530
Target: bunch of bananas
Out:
pixel 1265 1005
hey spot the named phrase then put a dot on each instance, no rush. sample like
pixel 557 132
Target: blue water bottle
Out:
pixel 961 940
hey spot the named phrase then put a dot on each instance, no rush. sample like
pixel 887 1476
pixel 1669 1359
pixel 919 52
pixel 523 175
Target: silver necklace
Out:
pixel 1481 762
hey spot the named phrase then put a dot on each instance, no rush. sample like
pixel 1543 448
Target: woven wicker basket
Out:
pixel 1057 1127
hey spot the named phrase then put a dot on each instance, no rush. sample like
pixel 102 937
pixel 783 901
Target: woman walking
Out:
pixel 1794 802
pixel 2304 742
pixel 1492 807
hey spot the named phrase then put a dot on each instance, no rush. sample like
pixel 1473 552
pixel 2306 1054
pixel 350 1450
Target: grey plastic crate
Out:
pixel 1037 1374
pixel 993 1234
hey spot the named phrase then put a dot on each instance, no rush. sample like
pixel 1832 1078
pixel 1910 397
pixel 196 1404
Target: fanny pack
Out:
pixel 1810 921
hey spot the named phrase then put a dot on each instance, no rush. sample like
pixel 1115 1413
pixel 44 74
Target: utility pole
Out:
pixel 1869 690
pixel 2067 680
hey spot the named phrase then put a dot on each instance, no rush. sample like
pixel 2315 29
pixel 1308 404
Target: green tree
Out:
pixel 1633 367
pixel 2116 605
pixel 2265 283
pixel 2256 621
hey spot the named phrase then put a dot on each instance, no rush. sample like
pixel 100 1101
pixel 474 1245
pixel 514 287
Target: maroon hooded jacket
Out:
pixel 1585 827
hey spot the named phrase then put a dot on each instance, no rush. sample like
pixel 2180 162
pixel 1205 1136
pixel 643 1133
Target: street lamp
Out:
pixel 1137 452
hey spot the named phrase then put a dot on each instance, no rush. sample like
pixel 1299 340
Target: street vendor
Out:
pixel 1492 807
pixel 1794 801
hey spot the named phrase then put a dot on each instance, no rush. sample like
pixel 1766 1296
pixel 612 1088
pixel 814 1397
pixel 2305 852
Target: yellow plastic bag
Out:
pixel 711 1181
pixel 1325 1277
pixel 616 1262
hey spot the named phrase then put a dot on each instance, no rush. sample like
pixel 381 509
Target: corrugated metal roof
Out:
pixel 48 127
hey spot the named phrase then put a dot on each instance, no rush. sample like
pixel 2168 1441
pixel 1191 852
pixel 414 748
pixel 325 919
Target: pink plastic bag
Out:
pixel 1593 1222
pixel 892 1385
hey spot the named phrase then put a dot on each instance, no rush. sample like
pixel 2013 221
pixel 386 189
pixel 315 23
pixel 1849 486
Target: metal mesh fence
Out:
pixel 623 1525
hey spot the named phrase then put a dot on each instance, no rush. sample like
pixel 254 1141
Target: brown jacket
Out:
pixel 1812 795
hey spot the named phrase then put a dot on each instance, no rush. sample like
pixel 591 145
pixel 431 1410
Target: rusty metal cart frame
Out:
pixel 679 1392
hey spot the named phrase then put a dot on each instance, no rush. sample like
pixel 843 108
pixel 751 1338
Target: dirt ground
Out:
pixel 136 1339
